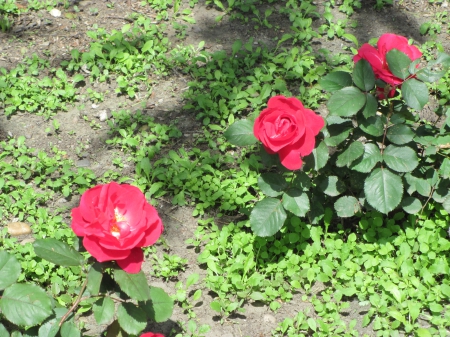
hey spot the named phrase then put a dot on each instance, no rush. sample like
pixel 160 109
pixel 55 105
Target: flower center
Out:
pixel 282 127
pixel 119 225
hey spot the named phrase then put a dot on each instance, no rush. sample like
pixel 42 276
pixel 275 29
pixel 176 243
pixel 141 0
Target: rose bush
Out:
pixel 115 222
pixel 289 129
pixel 377 57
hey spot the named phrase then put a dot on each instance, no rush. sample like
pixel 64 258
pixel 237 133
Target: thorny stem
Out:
pixel 75 304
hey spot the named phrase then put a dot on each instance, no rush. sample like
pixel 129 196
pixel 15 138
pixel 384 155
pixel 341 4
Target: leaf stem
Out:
pixel 75 304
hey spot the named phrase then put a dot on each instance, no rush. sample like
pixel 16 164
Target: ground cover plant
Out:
pixel 340 210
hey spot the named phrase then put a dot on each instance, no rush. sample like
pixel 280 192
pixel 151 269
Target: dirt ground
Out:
pixel 40 33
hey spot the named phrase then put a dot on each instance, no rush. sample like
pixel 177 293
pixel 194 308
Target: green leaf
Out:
pixel 267 217
pixel 134 285
pixel 371 106
pixel 398 63
pixel 160 305
pixel 94 277
pixel 335 81
pixel 363 75
pixel 272 184
pixel 9 269
pixel 415 93
pixel 414 309
pixel 444 170
pixel 216 306
pixel 58 252
pixel 296 202
pixel 397 315
pixel 423 332
pixel 400 134
pixel 68 329
pixel 371 157
pixel 318 158
pixel 77 78
pixel 131 318
pixel 331 185
pixel 373 126
pixel 103 310
pixel 346 102
pixel 240 133
pixel 411 205
pixel 338 133
pixel 347 206
pixel 353 152
pixel 383 190
pixel 400 158
pixel 26 304
pixel 3 331
pixel 236 47
pixel 192 279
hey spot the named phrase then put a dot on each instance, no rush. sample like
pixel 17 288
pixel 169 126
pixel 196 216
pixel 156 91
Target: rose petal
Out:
pixel 132 264
pixel 102 254
pixel 290 159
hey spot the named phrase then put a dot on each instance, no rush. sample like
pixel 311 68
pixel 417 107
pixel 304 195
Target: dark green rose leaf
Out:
pixel 400 134
pixel 68 329
pixel 383 190
pixel 296 202
pixel 58 252
pixel 415 93
pixel 428 75
pixel 240 133
pixel 400 158
pixel 398 63
pixel 103 310
pixel 267 217
pixel 131 318
pixel 420 185
pixel 347 206
pixel 26 304
pixel 272 184
pixel 335 81
pixel 318 158
pixel 371 106
pixel 160 306
pixel 353 152
pixel 346 102
pixel 331 185
pixel 411 205
pixel 444 170
pixel 373 126
pixel 363 75
pixel 370 158
pixel 338 133
pixel 9 269
pixel 134 285
pixel 95 276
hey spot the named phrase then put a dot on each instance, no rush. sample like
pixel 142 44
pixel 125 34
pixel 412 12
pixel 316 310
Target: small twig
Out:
pixel 75 304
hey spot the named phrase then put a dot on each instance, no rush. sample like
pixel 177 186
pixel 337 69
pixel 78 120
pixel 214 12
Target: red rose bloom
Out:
pixel 377 57
pixel 151 334
pixel 286 127
pixel 116 221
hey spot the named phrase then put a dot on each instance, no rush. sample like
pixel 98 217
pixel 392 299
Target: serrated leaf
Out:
pixel 383 190
pixel 131 318
pixel 267 217
pixel 296 202
pixel 411 205
pixel 346 102
pixel 398 63
pixel 400 158
pixel 9 269
pixel 371 106
pixel 415 93
pixel 68 329
pixel 160 305
pixel 373 126
pixel 58 252
pixel 134 285
pixel 338 133
pixel 353 152
pixel 370 158
pixel 318 158
pixel 272 184
pixel 335 81
pixel 363 75
pixel 240 133
pixel 444 170
pixel 94 277
pixel 331 185
pixel 400 134
pixel 347 206
pixel 103 310
pixel 25 304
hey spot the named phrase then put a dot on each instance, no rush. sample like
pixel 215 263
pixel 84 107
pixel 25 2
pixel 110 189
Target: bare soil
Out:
pixel 39 32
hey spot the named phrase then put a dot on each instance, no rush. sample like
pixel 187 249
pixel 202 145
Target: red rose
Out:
pixel 286 127
pixel 116 222
pixel 377 57
pixel 151 334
